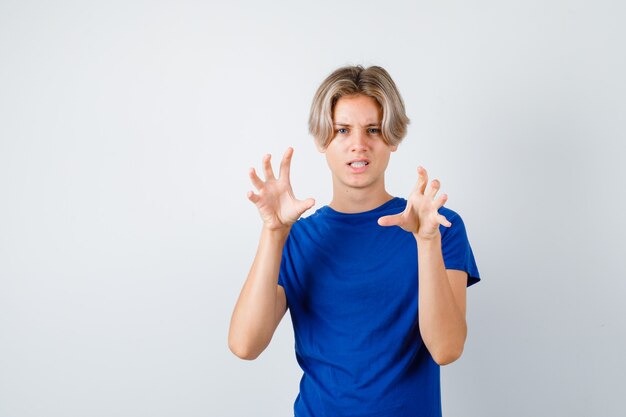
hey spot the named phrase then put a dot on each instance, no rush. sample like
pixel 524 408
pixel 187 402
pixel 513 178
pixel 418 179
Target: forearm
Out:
pixel 254 318
pixel 442 324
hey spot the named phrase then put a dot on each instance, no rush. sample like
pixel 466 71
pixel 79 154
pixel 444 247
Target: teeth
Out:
pixel 358 164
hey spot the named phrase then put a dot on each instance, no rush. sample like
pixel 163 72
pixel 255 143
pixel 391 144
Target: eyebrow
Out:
pixel 349 125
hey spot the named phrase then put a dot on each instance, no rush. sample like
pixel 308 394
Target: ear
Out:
pixel 393 148
pixel 320 148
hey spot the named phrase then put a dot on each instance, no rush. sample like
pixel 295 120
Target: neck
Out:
pixel 358 200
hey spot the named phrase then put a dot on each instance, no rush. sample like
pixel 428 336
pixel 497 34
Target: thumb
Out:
pixel 304 205
pixel 392 220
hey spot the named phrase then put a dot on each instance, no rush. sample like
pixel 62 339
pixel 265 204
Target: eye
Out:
pixel 342 130
pixel 373 131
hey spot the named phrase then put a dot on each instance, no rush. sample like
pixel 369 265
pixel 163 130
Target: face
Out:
pixel 358 155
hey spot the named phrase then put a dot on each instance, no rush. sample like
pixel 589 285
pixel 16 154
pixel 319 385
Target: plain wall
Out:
pixel 126 132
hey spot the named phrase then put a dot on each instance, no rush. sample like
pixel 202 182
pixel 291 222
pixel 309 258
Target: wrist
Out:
pixel 430 239
pixel 280 232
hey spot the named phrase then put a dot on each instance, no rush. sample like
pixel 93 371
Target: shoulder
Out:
pixel 449 214
pixel 304 225
pixel 308 221
pixel 456 230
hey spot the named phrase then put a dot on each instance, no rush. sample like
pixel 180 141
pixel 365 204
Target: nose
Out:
pixel 359 141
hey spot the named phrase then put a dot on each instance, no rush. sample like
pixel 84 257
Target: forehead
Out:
pixel 358 109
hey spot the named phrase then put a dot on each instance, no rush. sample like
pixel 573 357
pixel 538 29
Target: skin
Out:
pixel 442 293
pixel 358 137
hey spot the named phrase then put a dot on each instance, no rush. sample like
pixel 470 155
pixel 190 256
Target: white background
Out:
pixel 126 132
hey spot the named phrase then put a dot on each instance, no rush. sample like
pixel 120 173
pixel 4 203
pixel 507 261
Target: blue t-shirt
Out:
pixel 351 288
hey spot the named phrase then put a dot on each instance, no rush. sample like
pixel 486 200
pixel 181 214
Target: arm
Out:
pixel 442 293
pixel 442 299
pixel 262 303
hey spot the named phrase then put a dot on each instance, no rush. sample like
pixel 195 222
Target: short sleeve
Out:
pixel 281 280
pixel 285 264
pixel 282 272
pixel 456 250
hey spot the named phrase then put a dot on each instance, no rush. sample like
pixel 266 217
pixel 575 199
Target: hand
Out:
pixel 420 216
pixel 277 205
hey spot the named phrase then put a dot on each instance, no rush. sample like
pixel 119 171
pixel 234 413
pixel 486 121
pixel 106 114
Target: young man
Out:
pixel 375 284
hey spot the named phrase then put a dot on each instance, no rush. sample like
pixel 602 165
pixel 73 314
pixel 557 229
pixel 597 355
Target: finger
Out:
pixel 256 181
pixel 267 168
pixel 304 205
pixel 392 220
pixel 285 164
pixel 442 220
pixel 253 197
pixel 422 180
pixel 435 185
pixel 441 201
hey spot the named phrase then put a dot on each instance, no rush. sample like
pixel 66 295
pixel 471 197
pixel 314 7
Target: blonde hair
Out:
pixel 373 82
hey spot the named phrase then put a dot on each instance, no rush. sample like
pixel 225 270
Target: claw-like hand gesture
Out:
pixel 277 205
pixel 420 215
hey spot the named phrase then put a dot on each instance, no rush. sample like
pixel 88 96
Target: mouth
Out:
pixel 359 163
